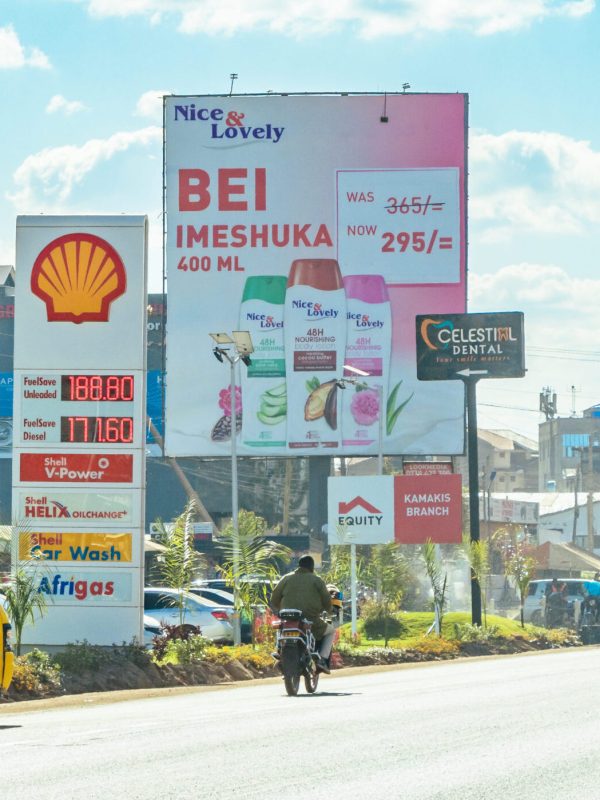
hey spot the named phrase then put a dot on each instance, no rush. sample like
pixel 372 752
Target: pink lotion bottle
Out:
pixel 367 361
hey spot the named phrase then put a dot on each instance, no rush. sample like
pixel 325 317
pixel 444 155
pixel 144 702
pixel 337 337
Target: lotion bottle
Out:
pixel 263 381
pixel 367 362
pixel 315 344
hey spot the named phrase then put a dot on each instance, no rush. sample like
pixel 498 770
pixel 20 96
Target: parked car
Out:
pixel 534 607
pixel 214 620
pixel 220 596
pixel 225 599
pixel 152 628
pixel 219 590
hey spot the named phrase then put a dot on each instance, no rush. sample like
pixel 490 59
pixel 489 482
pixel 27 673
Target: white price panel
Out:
pixel 403 224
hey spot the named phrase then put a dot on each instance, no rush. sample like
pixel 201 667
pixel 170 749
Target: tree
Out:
pixel 23 601
pixel 437 578
pixel 387 572
pixel 180 560
pixel 521 567
pixel 478 556
pixel 251 561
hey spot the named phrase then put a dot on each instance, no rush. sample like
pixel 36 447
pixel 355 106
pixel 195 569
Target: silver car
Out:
pixel 214 620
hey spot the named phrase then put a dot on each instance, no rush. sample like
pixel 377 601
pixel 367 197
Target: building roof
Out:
pixel 7 275
pixel 506 440
pixel 566 556
pixel 549 502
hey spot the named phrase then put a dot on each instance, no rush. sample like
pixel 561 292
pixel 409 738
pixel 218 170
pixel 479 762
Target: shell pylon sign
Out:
pixel 78 276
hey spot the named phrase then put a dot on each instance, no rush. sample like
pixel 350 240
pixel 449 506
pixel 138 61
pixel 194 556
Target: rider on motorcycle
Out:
pixel 304 590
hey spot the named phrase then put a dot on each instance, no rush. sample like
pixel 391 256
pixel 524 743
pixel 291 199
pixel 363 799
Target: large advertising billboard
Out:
pixel 322 225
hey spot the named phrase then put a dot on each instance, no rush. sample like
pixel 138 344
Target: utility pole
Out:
pixel 575 493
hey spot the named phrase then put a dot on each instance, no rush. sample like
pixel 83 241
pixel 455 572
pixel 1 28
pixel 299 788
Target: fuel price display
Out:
pixel 97 388
pixel 79 408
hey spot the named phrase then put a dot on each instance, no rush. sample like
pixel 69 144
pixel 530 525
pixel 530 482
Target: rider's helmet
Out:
pixel 336 596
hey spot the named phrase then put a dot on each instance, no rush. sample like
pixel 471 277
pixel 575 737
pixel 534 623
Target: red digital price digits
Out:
pixel 97 388
pixel 100 430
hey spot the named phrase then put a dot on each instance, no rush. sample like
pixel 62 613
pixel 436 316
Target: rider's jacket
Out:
pixel 304 590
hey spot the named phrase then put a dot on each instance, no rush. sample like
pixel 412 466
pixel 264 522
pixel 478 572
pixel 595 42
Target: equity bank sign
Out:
pixel 406 509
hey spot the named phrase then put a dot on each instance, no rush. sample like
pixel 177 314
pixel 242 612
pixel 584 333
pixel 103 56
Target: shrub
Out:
pixel 80 657
pixel 380 620
pixel 430 645
pixel 474 633
pixel 346 636
pixel 185 651
pixel 35 673
pixel 160 644
pixel 246 654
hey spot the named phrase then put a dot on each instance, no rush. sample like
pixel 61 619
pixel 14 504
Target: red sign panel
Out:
pixel 76 468
pixel 428 507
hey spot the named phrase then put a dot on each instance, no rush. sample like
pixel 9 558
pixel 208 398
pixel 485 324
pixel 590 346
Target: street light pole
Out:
pixel 237 625
pixel 341 382
pixel 238 348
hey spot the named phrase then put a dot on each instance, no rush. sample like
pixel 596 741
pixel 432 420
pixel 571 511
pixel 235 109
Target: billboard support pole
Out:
pixel 471 385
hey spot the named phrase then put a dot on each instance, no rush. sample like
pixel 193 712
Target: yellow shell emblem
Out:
pixel 78 276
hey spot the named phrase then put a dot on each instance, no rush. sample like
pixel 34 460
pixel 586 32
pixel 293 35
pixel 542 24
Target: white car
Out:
pixel 214 620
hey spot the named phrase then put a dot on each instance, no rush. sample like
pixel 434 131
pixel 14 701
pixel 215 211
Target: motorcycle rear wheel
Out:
pixel 292 684
pixel 311 679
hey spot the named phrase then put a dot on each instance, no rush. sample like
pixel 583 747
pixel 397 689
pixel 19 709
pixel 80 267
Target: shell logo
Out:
pixel 78 276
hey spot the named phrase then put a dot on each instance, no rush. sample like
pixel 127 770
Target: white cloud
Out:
pixel 371 18
pixel 150 104
pixel 543 288
pixel 46 179
pixel 14 56
pixel 60 103
pixel 540 182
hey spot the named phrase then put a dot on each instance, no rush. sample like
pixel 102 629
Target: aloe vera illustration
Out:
pixel 273 405
pixel 393 411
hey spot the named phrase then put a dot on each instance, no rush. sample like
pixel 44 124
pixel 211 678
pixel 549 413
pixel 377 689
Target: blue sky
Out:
pixel 81 80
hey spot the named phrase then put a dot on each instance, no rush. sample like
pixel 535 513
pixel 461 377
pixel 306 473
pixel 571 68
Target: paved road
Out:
pixel 518 727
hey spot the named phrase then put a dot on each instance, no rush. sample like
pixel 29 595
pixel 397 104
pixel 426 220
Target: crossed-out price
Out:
pixel 417 241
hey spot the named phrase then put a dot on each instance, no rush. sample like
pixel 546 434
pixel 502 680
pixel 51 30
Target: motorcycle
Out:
pixel 296 651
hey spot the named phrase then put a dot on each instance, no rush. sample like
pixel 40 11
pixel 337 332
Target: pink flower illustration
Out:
pixel 365 407
pixel 225 400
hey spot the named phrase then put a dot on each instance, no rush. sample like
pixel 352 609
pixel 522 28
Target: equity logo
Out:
pixel 230 125
pixel 78 276
pixel 346 517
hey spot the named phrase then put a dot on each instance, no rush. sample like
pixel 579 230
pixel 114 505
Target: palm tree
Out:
pixel 251 562
pixel 180 561
pixel 23 601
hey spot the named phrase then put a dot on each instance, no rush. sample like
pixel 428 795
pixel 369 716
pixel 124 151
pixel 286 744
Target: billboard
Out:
pixel 407 509
pixel 322 225
pixel 452 346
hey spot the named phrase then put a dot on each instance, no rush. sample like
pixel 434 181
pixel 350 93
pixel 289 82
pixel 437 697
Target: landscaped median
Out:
pixel 194 661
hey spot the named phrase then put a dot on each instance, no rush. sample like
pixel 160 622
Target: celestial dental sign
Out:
pixel 454 346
